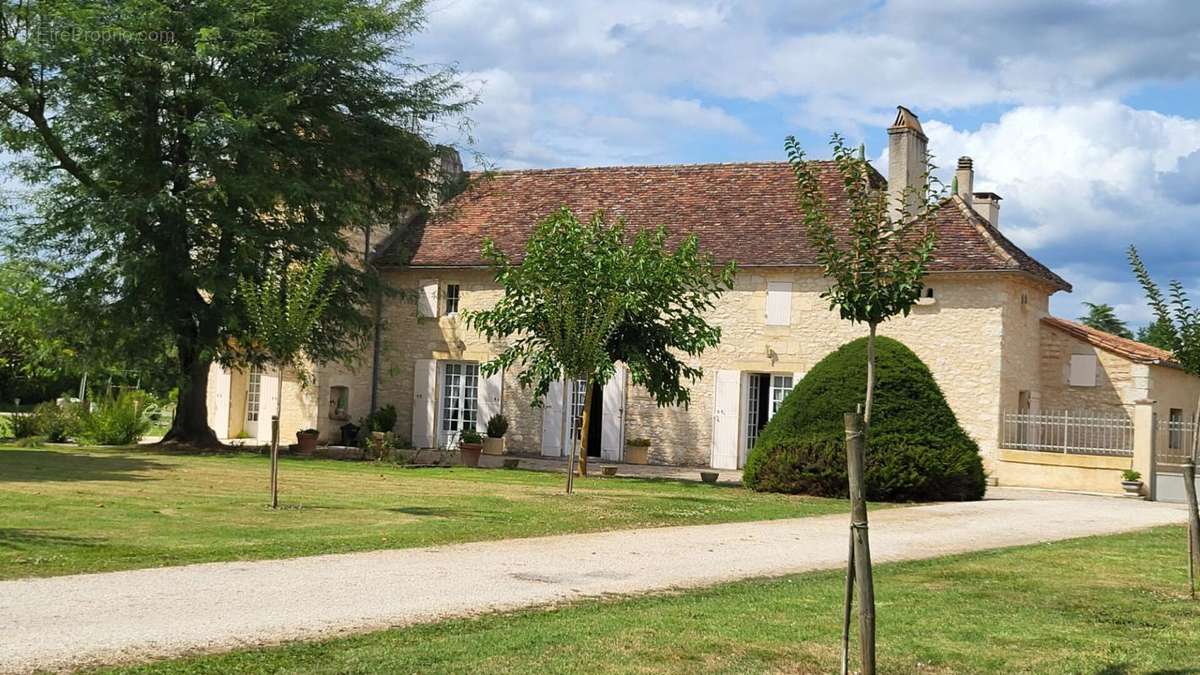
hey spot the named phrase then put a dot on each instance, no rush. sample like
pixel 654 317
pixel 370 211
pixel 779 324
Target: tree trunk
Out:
pixel 870 377
pixel 190 426
pixel 855 450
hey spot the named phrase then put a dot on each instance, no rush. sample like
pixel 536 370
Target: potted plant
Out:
pixel 637 450
pixel 307 440
pixel 497 426
pixel 1131 480
pixel 470 445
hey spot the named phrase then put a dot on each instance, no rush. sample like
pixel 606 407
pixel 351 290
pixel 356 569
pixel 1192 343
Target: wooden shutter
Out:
pixel 490 389
pixel 552 420
pixel 424 395
pixel 779 303
pixel 427 299
pixel 727 396
pixel 1083 370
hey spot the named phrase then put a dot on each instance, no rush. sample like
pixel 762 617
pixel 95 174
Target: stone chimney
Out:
pixel 907 147
pixel 964 179
pixel 987 204
pixel 446 174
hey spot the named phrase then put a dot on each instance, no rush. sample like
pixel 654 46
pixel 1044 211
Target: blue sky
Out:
pixel 1084 115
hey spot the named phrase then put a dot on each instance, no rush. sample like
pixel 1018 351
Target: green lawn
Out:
pixel 69 510
pixel 1110 605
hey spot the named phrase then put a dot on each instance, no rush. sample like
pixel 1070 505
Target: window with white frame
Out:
pixel 764 396
pixel 781 386
pixel 460 400
pixel 452 293
pixel 253 394
pixel 578 397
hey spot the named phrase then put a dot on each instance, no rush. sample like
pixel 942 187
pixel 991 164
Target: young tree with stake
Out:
pixel 285 308
pixel 1178 325
pixel 875 272
pixel 588 294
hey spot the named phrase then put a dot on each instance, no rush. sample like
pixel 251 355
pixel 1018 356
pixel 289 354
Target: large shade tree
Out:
pixel 572 275
pixel 171 144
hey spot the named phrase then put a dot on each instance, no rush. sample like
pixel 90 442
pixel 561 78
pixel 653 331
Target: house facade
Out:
pixel 983 327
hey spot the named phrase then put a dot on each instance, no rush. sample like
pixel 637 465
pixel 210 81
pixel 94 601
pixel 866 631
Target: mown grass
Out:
pixel 69 510
pixel 1106 605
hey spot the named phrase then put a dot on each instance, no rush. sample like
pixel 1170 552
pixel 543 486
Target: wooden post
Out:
pixel 847 604
pixel 584 425
pixel 855 452
pixel 274 461
pixel 1189 486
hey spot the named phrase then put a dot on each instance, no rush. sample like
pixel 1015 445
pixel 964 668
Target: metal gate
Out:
pixel 1174 442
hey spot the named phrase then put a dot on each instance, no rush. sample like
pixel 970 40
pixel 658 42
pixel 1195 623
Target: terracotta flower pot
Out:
pixel 709 476
pixel 470 453
pixel 307 442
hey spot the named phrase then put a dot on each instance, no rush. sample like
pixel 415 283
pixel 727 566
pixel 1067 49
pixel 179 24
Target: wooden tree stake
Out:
pixel 855 452
pixel 1189 486
pixel 275 461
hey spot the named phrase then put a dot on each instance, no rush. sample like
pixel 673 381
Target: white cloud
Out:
pixel 1079 184
pixel 1075 172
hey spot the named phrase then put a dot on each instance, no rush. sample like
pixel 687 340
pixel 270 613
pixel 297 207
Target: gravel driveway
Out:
pixel 63 622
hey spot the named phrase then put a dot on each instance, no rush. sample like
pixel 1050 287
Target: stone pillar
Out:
pixel 1144 423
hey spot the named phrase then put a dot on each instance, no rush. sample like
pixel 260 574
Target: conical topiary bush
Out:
pixel 916 451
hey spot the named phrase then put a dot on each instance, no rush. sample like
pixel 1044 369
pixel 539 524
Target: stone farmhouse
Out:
pixel 1051 403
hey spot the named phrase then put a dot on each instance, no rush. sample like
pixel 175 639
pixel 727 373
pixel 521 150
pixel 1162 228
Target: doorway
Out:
pixel 460 401
pixel 595 418
pixel 764 394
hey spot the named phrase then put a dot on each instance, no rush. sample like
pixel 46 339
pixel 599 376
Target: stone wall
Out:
pixel 959 335
pixel 1116 388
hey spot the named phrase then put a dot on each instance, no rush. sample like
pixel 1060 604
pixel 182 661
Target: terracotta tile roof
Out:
pixel 745 212
pixel 1131 349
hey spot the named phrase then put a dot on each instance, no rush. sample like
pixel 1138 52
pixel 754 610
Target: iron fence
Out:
pixel 1084 432
pixel 1175 442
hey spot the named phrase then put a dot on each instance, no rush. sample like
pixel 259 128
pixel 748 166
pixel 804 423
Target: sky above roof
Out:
pixel 1083 115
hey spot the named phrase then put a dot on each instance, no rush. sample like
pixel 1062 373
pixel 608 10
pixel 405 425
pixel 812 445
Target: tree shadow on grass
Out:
pixel 19 539
pixel 28 466
pixel 1125 669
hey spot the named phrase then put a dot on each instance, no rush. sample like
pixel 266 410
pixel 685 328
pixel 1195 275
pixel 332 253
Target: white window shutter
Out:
pixel 424 394
pixel 552 420
pixel 427 299
pixel 1083 370
pixel 726 403
pixel 490 389
pixel 612 418
pixel 779 303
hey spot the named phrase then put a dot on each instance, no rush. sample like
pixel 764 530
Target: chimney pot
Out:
pixel 964 179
